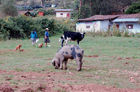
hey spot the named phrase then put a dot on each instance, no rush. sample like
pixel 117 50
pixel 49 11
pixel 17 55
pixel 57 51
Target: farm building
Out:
pixel 63 13
pixel 130 22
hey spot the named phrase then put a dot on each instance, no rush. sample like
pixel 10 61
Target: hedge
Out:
pixel 21 27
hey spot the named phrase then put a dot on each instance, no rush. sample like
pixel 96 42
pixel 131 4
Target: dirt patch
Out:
pixel 91 56
pixel 6 88
pixel 46 82
pixel 127 58
pixel 94 88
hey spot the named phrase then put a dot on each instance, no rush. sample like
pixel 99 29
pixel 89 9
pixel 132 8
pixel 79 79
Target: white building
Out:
pixel 104 22
pixel 63 13
pixel 130 22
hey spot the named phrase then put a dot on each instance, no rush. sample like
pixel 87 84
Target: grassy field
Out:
pixel 110 61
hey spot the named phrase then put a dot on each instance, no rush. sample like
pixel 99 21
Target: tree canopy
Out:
pixel 134 8
pixel 103 7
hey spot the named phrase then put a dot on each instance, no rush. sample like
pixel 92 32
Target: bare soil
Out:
pixel 47 83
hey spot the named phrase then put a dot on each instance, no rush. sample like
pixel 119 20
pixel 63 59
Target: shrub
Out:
pixel 21 27
pixel 47 12
pixel 125 33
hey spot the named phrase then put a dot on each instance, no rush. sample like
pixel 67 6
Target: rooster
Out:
pixel 18 47
pixel 40 45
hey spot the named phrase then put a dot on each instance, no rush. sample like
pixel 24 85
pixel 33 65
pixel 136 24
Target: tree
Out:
pixel 134 8
pixel 102 7
pixel 8 8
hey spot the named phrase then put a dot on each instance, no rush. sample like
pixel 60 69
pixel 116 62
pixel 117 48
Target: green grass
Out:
pixel 108 68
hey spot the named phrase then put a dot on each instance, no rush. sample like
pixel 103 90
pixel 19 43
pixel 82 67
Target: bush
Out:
pixel 125 33
pixel 116 31
pixel 21 27
pixel 47 12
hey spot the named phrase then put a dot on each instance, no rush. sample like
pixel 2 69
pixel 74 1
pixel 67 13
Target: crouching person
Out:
pixel 68 52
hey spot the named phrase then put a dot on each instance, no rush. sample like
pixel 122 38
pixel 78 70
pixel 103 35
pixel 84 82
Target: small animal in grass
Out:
pixel 40 45
pixel 18 47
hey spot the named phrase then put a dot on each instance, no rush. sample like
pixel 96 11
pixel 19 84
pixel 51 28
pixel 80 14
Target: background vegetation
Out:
pixel 103 7
pixel 15 26
pixel 21 26
pixel 134 8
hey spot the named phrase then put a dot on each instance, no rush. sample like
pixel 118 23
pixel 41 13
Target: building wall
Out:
pixel 97 26
pixel 135 29
pixel 63 14
pixel 88 26
pixel 104 25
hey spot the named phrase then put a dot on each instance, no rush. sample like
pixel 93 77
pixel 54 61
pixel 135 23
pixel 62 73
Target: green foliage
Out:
pixel 85 11
pixel 102 7
pixel 116 31
pixel 134 8
pixel 125 33
pixel 21 27
pixel 47 12
pixel 8 8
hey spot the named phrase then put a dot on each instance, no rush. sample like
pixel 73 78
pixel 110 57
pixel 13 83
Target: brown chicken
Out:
pixel 18 47
pixel 40 45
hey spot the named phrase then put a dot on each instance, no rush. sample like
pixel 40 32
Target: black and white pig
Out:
pixel 68 52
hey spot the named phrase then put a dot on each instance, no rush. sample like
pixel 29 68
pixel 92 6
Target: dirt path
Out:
pixel 46 82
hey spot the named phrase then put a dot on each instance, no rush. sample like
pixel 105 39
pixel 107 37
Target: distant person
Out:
pixel 33 37
pixel 37 39
pixel 46 38
pixel 35 33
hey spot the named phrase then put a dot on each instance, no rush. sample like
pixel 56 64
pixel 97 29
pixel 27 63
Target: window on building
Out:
pixel 61 13
pixel 129 26
pixel 68 15
pixel 117 25
pixel 88 26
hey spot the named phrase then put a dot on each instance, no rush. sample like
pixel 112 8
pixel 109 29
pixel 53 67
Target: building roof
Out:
pixel 126 20
pixel 99 17
pixel 129 16
pixel 63 10
pixel 110 17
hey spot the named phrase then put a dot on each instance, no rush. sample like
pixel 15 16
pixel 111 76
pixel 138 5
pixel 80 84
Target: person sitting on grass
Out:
pixel 46 38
